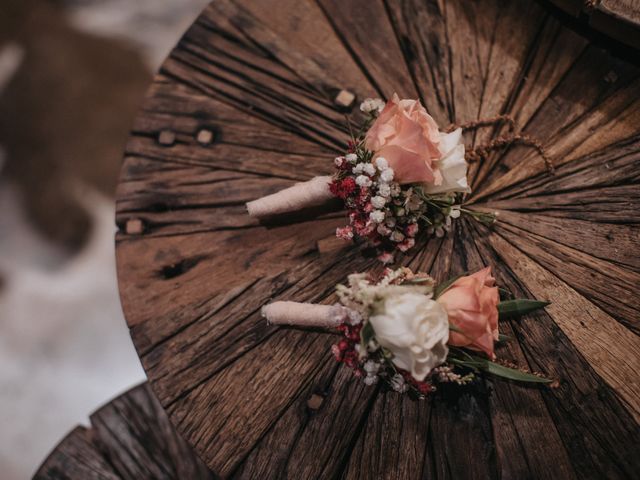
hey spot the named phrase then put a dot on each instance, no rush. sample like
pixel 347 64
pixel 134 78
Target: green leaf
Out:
pixel 512 374
pixel 444 286
pixel 519 306
pixel 499 370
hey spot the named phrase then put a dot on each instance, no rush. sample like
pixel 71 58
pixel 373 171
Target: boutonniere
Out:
pixel 401 175
pixel 406 332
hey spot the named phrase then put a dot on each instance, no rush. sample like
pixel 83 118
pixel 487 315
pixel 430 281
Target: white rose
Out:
pixel 415 329
pixel 452 165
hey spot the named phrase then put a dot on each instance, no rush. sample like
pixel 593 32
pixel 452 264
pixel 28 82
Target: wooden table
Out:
pixel 618 19
pixel 246 104
pixel 129 438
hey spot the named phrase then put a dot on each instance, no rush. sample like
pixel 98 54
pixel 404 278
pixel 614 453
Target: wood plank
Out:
pixel 192 262
pixel 525 445
pixel 615 120
pixel 421 29
pixel 587 414
pixel 319 439
pixel 177 107
pixel 612 350
pixel 604 283
pixel 378 55
pixel 556 51
pixel 608 242
pixel 394 441
pixel 616 204
pixel 508 57
pixel 299 35
pixel 134 432
pixel 75 457
pixel 129 438
pixel 614 166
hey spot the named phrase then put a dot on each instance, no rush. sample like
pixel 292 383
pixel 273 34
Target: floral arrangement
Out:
pixel 409 334
pixel 401 175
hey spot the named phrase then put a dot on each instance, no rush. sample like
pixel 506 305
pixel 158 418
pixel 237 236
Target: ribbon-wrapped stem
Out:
pixel 304 314
pixel 312 193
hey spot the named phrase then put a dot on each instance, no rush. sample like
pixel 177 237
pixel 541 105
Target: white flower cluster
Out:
pixel 361 295
pixel 372 105
pixel 371 368
pixel 385 188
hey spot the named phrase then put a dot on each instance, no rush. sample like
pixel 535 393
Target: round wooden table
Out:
pixel 129 438
pixel 251 100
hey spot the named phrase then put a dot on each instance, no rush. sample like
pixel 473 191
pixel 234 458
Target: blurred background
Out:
pixel 72 74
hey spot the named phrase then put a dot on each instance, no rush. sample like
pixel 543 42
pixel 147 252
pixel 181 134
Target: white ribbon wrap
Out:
pixel 305 314
pixel 306 194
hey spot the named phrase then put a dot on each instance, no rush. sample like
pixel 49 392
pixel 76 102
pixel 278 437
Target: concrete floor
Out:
pixel 64 346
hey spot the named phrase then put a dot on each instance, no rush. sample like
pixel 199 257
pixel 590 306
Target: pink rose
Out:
pixel 472 306
pixel 408 137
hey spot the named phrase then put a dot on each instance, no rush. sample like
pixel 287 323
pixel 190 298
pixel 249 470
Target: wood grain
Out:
pixel 129 438
pixel 619 19
pixel 257 401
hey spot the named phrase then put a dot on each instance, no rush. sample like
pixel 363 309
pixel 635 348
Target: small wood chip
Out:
pixel 134 226
pixel 345 98
pixel 204 137
pixel 315 401
pixel 166 138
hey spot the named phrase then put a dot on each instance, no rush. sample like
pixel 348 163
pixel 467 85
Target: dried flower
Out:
pixel 363 181
pixel 377 216
pixel 345 233
pixel 386 175
pixel 370 105
pixel 369 169
pixel 398 383
pixel 384 190
pixel 381 163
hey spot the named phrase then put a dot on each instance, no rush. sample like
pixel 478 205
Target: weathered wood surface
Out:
pixel 194 269
pixel 617 19
pixel 130 438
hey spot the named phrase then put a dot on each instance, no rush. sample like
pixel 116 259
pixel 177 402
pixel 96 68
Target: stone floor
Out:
pixel 64 346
